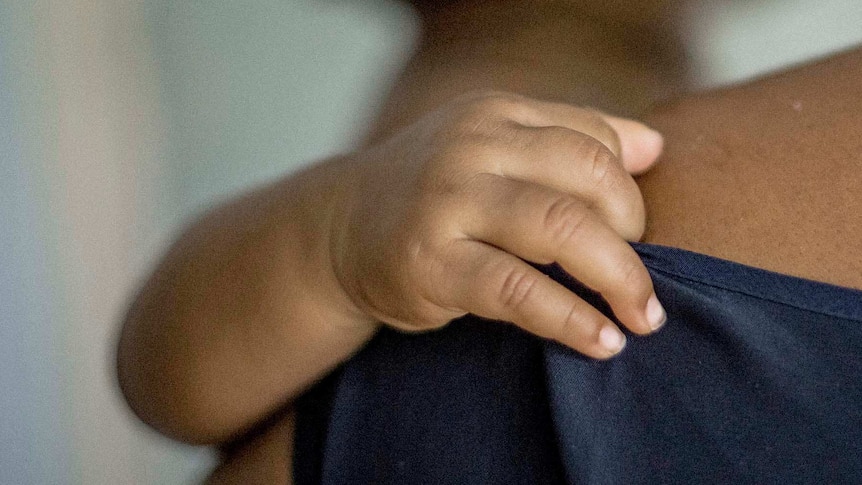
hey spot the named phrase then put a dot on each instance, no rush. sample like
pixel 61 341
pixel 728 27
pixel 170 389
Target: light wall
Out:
pixel 119 119
pixel 253 92
pixel 82 165
pixel 739 39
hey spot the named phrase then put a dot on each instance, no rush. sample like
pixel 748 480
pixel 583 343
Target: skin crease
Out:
pixel 720 169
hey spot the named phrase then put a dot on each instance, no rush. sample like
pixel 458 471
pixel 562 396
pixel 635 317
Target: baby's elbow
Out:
pixel 166 405
pixel 163 396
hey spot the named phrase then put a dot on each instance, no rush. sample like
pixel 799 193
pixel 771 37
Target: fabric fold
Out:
pixel 755 378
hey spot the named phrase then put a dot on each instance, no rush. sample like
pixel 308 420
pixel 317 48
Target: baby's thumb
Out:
pixel 640 145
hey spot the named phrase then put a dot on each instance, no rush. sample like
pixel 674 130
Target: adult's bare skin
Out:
pixel 766 174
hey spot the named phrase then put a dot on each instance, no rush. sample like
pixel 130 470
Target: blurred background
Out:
pixel 121 119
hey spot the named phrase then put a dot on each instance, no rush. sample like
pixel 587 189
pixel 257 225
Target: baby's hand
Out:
pixel 439 220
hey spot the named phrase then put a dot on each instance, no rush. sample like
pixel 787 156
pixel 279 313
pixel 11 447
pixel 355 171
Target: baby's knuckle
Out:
pixel 491 106
pixel 597 124
pixel 564 220
pixel 516 288
pixel 631 276
pixel 604 167
pixel 457 166
pixel 560 138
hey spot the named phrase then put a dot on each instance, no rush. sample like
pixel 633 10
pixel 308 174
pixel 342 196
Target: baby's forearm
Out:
pixel 241 315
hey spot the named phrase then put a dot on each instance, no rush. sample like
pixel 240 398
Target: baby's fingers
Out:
pixel 494 284
pixel 543 225
pixel 635 144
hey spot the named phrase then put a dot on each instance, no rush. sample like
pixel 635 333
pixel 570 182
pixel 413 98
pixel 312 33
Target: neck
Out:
pixel 544 49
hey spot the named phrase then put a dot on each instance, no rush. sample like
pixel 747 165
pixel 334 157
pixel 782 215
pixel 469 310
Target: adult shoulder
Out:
pixel 767 173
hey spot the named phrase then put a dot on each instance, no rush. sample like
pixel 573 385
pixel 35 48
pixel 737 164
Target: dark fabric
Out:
pixel 312 426
pixel 756 378
pixel 413 409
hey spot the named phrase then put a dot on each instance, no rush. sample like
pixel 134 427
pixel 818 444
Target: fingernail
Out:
pixel 655 314
pixel 612 339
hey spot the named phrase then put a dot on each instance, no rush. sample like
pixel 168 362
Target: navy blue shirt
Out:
pixel 755 378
